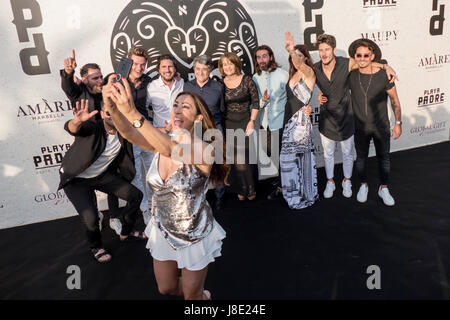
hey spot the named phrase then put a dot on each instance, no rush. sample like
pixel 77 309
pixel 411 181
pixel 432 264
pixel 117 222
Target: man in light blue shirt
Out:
pixel 271 81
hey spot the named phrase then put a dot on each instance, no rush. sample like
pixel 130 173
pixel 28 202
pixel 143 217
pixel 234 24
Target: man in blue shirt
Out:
pixel 213 93
pixel 271 82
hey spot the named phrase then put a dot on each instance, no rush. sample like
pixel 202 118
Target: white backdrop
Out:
pixel 412 34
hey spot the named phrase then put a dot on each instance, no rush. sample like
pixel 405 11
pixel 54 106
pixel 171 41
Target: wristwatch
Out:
pixel 398 122
pixel 138 123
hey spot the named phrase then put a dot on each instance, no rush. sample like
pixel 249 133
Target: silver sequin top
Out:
pixel 179 206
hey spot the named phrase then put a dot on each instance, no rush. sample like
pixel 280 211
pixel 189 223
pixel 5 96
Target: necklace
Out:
pixel 362 88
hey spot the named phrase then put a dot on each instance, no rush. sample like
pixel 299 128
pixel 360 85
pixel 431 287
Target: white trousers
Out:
pixel 329 147
pixel 142 161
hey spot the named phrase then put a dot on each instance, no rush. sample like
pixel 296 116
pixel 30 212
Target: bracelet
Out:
pixel 398 122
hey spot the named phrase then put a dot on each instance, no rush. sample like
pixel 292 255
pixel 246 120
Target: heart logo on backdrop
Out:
pixel 185 46
pixel 186 31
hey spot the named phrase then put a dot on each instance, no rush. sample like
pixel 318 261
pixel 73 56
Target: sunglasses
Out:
pixel 359 55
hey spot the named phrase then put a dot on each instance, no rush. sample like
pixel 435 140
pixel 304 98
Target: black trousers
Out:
pixel 382 142
pixel 113 207
pixel 81 192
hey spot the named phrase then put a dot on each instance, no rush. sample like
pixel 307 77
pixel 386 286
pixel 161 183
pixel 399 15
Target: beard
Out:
pixel 110 124
pixel 94 88
pixel 331 60
pixel 168 78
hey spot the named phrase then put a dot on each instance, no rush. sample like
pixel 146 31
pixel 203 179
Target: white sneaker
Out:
pixel 384 194
pixel 329 189
pixel 362 193
pixel 116 225
pixel 146 214
pixel 346 188
pixel 100 215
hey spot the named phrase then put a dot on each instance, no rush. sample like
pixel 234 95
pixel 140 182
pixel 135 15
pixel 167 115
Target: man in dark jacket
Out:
pixel 139 82
pixel 88 88
pixel 99 159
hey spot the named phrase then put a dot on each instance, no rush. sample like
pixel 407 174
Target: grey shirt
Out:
pixel 336 116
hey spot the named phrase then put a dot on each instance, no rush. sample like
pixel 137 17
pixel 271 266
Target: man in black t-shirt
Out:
pixel 370 88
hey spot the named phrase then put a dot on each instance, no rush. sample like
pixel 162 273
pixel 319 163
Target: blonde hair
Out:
pixel 138 52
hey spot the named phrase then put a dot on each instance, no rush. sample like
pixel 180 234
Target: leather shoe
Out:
pixel 275 194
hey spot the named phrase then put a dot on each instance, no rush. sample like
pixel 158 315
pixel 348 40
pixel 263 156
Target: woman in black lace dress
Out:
pixel 240 93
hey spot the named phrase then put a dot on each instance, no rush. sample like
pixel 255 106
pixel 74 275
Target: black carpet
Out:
pixel 271 252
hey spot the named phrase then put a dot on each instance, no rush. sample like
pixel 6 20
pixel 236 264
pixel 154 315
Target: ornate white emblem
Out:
pixel 200 27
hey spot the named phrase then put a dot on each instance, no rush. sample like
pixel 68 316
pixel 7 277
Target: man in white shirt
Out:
pixel 163 91
pixel 271 82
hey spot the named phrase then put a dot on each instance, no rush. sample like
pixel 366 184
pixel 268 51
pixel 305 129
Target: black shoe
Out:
pixel 275 194
pixel 219 204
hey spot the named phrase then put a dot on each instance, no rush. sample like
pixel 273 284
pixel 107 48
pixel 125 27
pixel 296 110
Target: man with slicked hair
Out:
pixel 213 93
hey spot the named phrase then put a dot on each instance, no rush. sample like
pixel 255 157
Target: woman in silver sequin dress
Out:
pixel 183 234
pixel 297 162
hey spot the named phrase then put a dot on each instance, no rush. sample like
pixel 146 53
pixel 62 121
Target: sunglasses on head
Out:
pixel 359 55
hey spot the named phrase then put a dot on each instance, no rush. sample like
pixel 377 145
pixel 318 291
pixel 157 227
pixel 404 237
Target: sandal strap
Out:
pixel 137 234
pixel 98 255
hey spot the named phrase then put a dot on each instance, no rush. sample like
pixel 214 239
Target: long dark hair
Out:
pixel 308 60
pixel 219 172
pixel 272 65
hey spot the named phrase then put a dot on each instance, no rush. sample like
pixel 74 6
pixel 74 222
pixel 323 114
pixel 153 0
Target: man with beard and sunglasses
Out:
pixel 99 159
pixel 271 81
pixel 90 86
pixel 370 89
pixel 336 123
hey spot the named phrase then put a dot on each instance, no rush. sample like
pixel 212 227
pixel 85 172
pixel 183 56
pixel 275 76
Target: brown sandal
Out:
pixel 97 255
